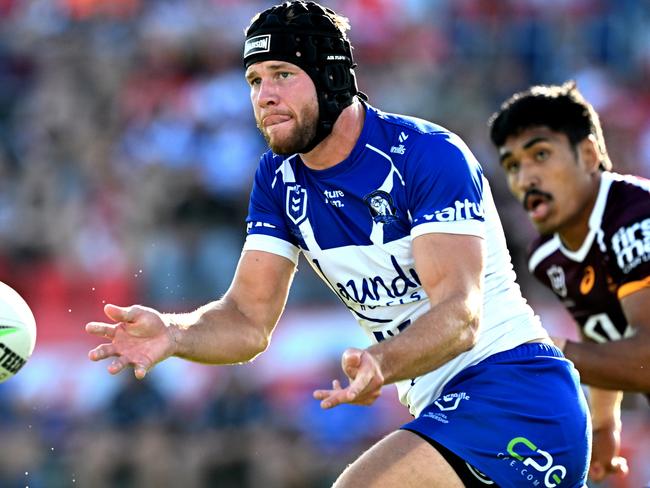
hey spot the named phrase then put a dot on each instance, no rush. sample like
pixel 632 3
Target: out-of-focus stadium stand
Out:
pixel 127 150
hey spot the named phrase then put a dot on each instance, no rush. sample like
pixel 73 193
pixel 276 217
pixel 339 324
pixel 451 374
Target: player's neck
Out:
pixel 339 144
pixel 575 232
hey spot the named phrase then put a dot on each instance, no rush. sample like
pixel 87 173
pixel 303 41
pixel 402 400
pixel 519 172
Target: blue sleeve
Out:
pixel 445 187
pixel 266 204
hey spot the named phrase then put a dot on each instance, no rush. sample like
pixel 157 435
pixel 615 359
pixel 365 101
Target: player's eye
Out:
pixel 284 74
pixel 542 154
pixel 511 167
pixel 254 81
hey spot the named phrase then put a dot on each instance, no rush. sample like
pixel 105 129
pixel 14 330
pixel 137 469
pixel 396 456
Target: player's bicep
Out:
pixel 260 287
pixel 450 266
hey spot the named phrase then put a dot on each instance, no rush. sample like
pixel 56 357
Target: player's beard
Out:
pixel 301 136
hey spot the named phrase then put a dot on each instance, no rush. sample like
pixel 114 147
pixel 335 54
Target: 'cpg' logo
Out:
pixel 554 474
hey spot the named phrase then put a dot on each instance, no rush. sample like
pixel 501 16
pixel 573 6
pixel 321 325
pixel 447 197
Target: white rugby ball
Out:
pixel 17 332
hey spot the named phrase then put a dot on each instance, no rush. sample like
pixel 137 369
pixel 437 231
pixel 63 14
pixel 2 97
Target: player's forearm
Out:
pixel 619 365
pixel 217 333
pixel 447 330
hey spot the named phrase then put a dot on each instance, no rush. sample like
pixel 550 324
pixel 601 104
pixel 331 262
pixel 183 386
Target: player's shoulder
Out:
pixel 622 207
pixel 272 166
pixel 625 223
pixel 416 130
pixel 540 250
pixel 626 199
pixel 622 201
pixel 411 125
pixel 414 139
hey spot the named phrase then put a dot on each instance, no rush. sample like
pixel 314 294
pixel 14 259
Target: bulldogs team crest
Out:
pixel 381 206
pixel 296 204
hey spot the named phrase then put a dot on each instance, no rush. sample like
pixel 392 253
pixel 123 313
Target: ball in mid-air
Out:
pixel 17 332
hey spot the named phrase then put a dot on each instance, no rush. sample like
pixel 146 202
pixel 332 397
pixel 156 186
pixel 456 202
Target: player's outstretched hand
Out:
pixel 364 375
pixel 139 338
pixel 604 455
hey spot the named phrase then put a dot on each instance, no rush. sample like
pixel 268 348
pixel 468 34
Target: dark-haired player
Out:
pixel 393 213
pixel 594 248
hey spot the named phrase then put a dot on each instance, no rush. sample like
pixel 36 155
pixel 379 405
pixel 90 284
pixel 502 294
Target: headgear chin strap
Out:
pixel 304 34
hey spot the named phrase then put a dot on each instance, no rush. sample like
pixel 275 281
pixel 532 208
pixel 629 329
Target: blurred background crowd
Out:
pixel 127 150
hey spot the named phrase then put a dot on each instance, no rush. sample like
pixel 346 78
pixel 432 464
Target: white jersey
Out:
pixel 355 222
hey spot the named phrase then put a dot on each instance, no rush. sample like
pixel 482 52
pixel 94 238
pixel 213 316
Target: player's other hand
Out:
pixel 604 455
pixel 139 337
pixel 365 381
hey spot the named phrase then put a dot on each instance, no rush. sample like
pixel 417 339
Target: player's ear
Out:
pixel 590 153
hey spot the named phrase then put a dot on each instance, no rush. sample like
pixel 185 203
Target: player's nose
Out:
pixel 267 94
pixel 527 178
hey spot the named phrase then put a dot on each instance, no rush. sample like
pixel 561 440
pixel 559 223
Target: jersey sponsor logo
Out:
pixel 588 280
pixel 372 291
pixel 445 403
pixel 450 401
pixel 558 280
pixel 631 245
pixel 401 149
pixel 464 210
pixel 257 45
pixel 381 206
pixel 333 197
pixel 535 462
pixel 296 203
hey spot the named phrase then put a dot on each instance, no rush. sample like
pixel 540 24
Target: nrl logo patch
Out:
pixel 257 44
pixel 381 206
pixel 296 204
pixel 558 281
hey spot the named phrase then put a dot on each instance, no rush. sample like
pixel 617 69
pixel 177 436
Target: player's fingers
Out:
pixel 368 399
pixel 118 364
pixel 140 371
pixel 122 314
pixel 330 398
pixel 335 397
pixel 336 385
pixel 619 465
pixel 322 394
pixel 101 329
pixel 359 383
pixel 350 361
pixel 101 352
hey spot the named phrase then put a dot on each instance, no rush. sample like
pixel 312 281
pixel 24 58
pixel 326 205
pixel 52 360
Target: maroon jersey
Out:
pixel 613 261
